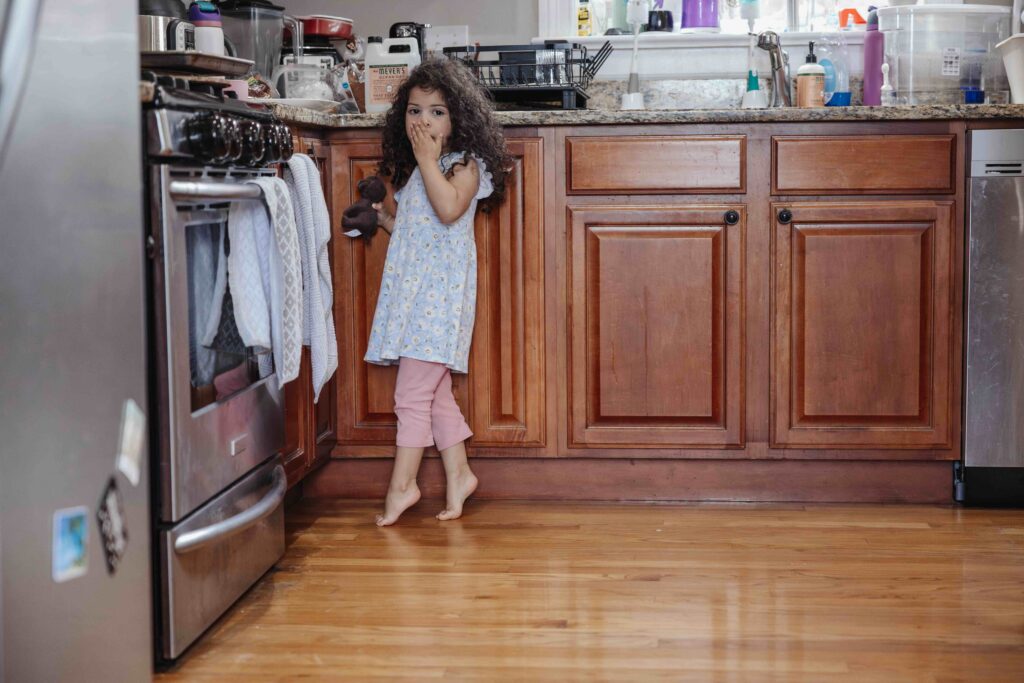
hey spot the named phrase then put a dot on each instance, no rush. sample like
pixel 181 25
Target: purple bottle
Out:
pixel 874 53
pixel 700 14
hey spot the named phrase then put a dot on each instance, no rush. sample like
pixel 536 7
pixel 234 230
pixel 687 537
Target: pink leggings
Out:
pixel 426 409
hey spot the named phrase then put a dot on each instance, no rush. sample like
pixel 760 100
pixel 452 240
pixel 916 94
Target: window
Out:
pixel 558 17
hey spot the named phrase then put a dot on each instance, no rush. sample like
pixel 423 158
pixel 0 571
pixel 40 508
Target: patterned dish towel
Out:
pixel 314 229
pixel 285 279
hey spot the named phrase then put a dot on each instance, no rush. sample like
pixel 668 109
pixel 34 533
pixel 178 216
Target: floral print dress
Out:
pixel 427 301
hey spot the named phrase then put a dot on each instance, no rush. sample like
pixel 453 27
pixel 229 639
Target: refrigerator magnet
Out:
pixel 70 543
pixel 132 442
pixel 111 519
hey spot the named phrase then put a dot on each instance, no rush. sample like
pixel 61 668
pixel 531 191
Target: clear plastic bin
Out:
pixel 936 53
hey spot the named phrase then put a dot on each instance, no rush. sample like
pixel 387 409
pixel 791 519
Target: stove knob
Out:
pixel 272 144
pixel 287 144
pixel 207 137
pixel 253 148
pixel 234 135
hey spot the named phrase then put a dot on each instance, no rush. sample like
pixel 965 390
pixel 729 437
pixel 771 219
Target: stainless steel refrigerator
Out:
pixel 74 489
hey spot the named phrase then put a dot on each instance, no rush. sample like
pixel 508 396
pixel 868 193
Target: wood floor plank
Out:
pixel 618 592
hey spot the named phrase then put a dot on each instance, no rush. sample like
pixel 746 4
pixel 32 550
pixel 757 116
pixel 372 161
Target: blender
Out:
pixel 256 28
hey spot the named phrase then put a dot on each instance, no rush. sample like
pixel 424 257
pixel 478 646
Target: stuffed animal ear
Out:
pixel 373 189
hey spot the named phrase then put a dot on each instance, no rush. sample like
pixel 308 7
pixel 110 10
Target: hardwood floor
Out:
pixel 611 592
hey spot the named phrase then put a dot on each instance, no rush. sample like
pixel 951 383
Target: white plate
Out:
pixel 323 106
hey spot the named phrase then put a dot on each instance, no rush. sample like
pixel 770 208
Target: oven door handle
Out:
pixel 194 540
pixel 183 190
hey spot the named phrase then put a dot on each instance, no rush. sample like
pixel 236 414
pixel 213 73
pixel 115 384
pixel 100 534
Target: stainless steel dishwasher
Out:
pixel 992 471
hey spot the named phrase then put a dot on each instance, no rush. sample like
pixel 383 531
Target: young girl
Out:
pixel 443 153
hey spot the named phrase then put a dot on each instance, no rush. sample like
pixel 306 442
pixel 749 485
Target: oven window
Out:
pixel 221 365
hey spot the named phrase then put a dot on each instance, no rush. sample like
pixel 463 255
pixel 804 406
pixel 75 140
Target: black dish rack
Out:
pixel 553 75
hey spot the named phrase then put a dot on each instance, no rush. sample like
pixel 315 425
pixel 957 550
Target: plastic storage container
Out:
pixel 936 53
pixel 834 58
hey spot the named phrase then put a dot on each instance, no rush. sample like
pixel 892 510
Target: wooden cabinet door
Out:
pixel 656 326
pixel 506 374
pixel 503 400
pixel 324 419
pixel 366 392
pixel 863 325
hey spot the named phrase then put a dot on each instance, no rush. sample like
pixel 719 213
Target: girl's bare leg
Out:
pixel 461 482
pixel 403 491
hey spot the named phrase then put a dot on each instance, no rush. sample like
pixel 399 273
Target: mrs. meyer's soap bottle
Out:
pixel 388 63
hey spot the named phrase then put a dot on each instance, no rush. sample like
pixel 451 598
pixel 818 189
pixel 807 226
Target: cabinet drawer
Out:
pixel 656 164
pixel 863 164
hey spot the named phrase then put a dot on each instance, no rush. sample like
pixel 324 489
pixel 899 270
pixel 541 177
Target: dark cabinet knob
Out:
pixel 785 216
pixel 732 217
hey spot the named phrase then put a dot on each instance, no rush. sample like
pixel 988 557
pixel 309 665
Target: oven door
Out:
pixel 222 403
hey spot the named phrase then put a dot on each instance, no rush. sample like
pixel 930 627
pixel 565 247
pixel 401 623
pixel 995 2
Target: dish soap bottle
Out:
pixel 810 82
pixel 583 18
pixel 387 70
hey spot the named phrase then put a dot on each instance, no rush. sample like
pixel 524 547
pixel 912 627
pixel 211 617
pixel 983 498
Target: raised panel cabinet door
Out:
pixel 656 326
pixel 863 322
pixel 365 392
pixel 297 419
pixel 324 421
pixel 503 397
pixel 506 374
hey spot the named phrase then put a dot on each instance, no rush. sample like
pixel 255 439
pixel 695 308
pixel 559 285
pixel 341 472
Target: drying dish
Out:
pixel 332 27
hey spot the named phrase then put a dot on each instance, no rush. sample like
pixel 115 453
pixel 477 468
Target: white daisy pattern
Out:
pixel 431 317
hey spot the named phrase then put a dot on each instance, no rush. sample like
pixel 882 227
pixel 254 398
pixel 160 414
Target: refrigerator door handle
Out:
pixel 194 540
pixel 17 46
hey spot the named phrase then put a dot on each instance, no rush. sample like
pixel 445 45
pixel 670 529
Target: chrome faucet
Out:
pixel 781 94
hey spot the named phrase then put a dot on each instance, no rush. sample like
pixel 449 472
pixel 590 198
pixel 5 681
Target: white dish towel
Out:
pixel 314 228
pixel 248 275
pixel 285 285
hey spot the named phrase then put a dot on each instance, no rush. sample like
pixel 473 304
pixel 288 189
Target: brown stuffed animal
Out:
pixel 360 219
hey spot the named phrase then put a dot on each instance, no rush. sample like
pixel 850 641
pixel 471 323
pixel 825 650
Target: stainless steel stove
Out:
pixel 218 407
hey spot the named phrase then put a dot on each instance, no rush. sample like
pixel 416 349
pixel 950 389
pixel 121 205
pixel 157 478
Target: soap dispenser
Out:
pixel 810 82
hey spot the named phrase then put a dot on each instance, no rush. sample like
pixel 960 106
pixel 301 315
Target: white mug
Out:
pixel 210 40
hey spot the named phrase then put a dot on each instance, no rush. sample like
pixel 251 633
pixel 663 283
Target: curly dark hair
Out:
pixel 473 127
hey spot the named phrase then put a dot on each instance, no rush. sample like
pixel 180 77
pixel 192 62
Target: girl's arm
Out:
pixel 387 209
pixel 449 197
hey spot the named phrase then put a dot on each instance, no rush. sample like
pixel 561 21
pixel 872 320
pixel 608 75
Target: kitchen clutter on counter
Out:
pixel 242 44
pixel 910 54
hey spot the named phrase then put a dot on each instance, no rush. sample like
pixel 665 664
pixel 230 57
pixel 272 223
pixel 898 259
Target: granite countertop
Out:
pixel 300 116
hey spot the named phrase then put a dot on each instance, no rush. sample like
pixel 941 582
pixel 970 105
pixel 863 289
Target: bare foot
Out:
pixel 459 489
pixel 397 502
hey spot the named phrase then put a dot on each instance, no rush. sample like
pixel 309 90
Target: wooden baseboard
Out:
pixel 833 481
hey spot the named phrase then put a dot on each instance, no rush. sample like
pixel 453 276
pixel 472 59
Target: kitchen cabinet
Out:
pixel 691 312
pixel 863 324
pixel 656 331
pixel 502 397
